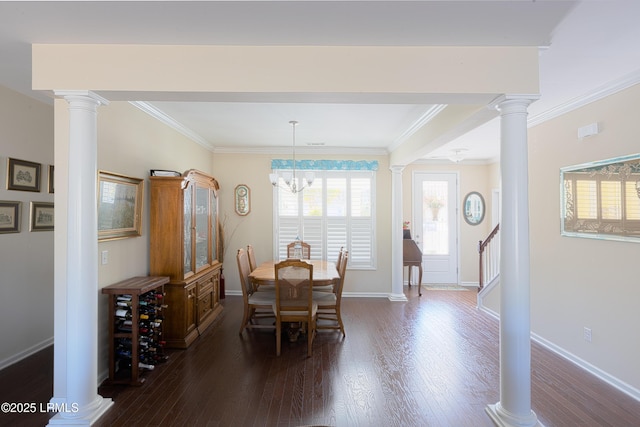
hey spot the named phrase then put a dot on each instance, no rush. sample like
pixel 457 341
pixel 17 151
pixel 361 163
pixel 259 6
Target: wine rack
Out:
pixel 135 327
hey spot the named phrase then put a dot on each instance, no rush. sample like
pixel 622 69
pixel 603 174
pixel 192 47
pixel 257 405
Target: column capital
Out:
pixel 81 95
pixel 396 168
pixel 512 103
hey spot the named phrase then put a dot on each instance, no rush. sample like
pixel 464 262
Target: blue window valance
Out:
pixel 328 165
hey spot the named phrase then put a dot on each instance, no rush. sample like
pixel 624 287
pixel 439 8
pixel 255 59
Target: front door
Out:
pixel 435 229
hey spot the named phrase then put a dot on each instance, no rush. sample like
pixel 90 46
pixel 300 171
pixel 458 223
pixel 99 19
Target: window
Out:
pixel 336 211
pixel 602 199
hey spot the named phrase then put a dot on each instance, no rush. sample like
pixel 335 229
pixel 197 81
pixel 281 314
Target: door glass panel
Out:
pixel 188 200
pixel 202 227
pixel 435 217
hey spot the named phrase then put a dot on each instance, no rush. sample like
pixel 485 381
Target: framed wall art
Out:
pixel 119 206
pixel 601 199
pixel 242 199
pixel 41 216
pixel 10 217
pixel 23 175
pixel 51 179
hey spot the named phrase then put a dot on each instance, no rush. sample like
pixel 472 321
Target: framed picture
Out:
pixel 601 199
pixel 10 217
pixel 41 216
pixel 243 199
pixel 119 206
pixel 51 179
pixel 23 175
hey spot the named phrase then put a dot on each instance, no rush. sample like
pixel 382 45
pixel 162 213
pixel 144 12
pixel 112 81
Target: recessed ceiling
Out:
pixel 589 44
pixel 246 124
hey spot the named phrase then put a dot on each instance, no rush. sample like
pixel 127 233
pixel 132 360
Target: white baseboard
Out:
pixel 594 370
pixel 572 358
pixel 26 353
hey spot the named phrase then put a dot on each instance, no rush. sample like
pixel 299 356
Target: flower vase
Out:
pixel 434 213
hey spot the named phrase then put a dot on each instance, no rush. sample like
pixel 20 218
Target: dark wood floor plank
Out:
pixel 432 361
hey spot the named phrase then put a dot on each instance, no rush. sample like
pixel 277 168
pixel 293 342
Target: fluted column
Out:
pixel 397 293
pixel 514 407
pixel 83 404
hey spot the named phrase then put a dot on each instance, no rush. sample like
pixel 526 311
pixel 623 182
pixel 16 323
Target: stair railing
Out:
pixel 489 255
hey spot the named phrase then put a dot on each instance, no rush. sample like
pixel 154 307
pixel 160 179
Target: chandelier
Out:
pixel 290 178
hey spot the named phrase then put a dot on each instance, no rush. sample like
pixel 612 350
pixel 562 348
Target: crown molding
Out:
pixel 169 121
pixel 443 161
pixel 580 101
pixel 302 150
pixel 418 124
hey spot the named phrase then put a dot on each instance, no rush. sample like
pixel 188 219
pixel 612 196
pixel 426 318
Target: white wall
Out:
pixel 576 282
pixel 26 258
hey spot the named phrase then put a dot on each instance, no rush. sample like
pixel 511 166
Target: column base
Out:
pixel 397 297
pixel 85 417
pixel 502 418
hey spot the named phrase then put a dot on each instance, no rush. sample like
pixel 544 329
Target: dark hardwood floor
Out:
pixel 432 361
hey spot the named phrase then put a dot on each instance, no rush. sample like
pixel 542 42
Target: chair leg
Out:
pixel 339 317
pixel 310 335
pixel 245 319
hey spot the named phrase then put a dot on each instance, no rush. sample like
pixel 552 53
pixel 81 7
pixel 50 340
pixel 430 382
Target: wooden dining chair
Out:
pixel 306 250
pixel 329 302
pixel 257 303
pixel 294 299
pixel 332 287
pixel 252 266
pixel 252 258
pixel 339 260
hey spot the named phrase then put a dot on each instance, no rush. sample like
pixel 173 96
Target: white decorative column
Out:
pixel 514 407
pixel 82 403
pixel 397 293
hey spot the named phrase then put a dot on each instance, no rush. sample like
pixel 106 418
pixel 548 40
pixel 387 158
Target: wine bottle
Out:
pixel 123 313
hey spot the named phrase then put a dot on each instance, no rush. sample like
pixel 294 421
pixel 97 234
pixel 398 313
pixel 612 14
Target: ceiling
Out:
pixel 585 45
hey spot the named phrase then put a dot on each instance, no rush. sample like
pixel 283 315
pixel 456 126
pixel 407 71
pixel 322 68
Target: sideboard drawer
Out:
pixel 205 304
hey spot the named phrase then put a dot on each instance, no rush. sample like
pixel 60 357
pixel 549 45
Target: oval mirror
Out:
pixel 473 208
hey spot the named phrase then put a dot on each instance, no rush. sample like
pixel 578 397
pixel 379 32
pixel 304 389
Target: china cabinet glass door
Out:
pixel 188 250
pixel 202 227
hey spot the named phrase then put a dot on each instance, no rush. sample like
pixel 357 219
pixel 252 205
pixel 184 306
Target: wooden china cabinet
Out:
pixel 184 246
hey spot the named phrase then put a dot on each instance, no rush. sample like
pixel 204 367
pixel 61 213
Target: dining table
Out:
pixel 325 273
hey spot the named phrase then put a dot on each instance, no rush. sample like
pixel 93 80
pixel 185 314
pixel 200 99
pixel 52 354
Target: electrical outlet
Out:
pixel 105 257
pixel 587 334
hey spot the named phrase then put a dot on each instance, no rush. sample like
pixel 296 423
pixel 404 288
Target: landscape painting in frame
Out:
pixel 9 217
pixel 601 199
pixel 119 206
